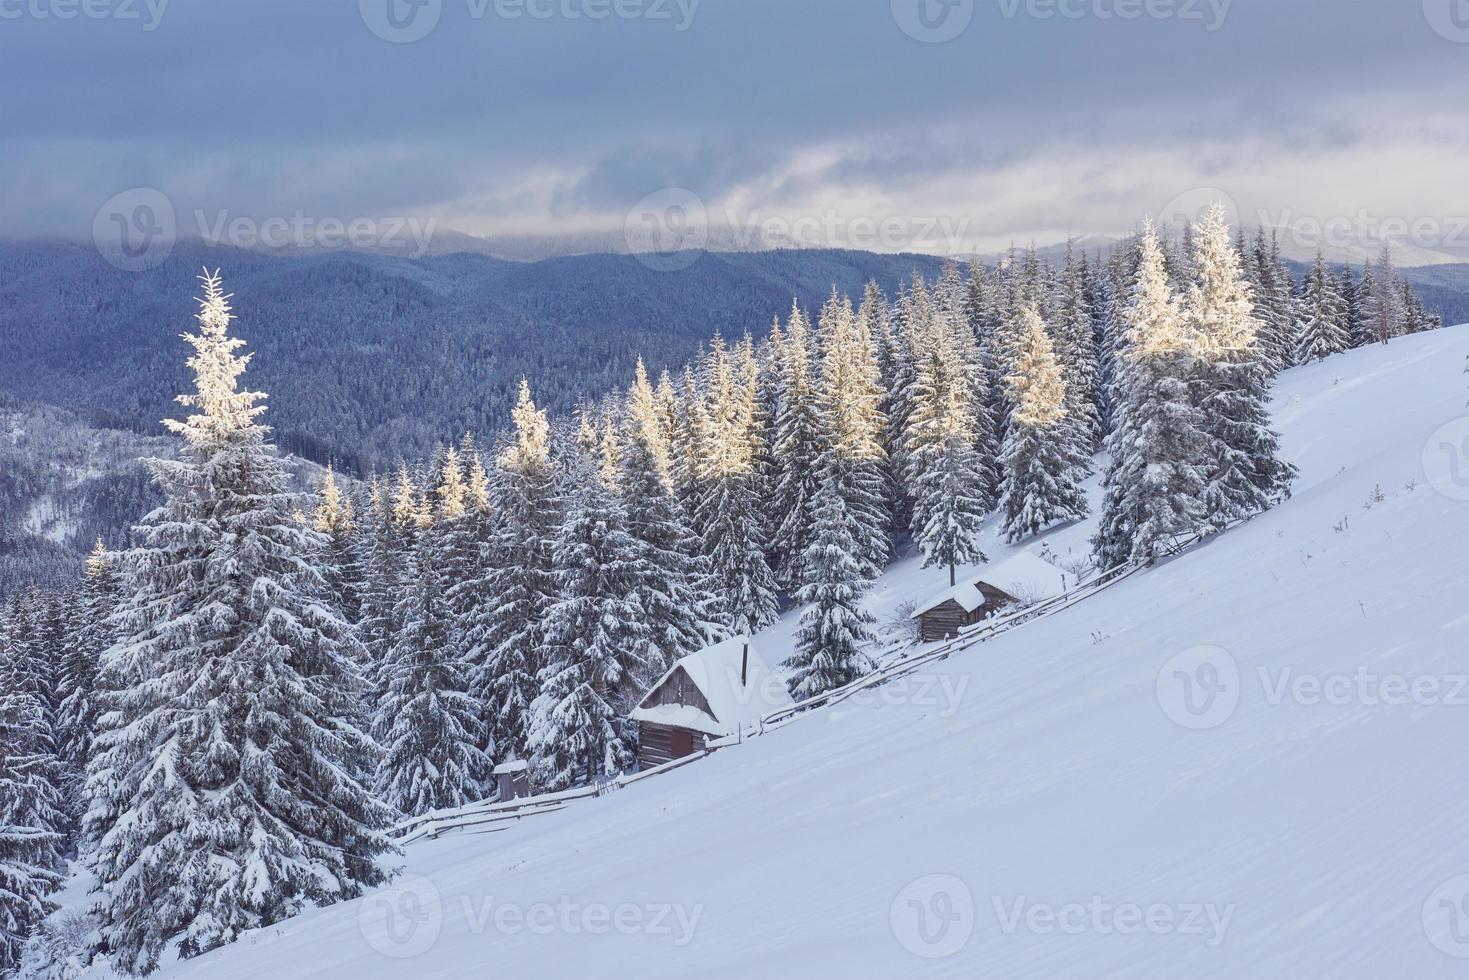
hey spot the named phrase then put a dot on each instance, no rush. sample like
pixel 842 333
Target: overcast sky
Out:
pixel 1038 119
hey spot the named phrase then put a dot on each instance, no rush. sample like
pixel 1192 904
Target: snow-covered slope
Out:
pixel 1245 763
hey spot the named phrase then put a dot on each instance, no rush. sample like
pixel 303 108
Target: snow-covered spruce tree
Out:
pixel 1324 329
pixel 1076 353
pixel 381 555
pixel 434 745
pixel 226 786
pixel 673 585
pixel 336 520
pixel 1041 458
pixel 504 633
pixel 901 373
pixel 1116 286
pixel 598 644
pixel 799 437
pixel 29 662
pixel 1269 287
pixel 730 511
pixel 834 626
pixel 1156 477
pixel 1360 306
pixel 459 524
pixel 1416 318
pixel 77 678
pixel 1231 383
pixel 952 319
pixel 950 507
pixel 945 475
pixel 30 812
pixel 1381 300
pixel 689 441
pixel 51 612
pixel 849 397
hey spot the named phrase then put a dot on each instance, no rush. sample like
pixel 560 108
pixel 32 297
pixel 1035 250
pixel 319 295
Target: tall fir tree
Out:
pixel 504 635
pixel 1041 458
pixel 946 477
pixel 1158 469
pixel 729 512
pixel 673 586
pixel 227 787
pixel 92 634
pixel 30 812
pixel 850 401
pixel 834 627
pixel 799 436
pixel 599 647
pixel 1076 353
pixel 1324 327
pixel 1231 382
pixel 1362 300
pixel 1381 300
pixel 435 752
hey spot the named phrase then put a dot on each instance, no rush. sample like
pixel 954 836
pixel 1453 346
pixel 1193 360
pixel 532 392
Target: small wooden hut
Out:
pixel 1020 580
pixel 705 696
pixel 513 779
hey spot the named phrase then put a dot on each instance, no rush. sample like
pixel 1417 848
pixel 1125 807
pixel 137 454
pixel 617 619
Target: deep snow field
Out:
pixel 1248 762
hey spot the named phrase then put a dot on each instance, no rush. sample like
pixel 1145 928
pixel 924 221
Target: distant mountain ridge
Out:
pixel 371 357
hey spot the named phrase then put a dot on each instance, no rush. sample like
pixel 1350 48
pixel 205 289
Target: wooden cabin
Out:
pixel 512 778
pixel 706 696
pixel 1020 580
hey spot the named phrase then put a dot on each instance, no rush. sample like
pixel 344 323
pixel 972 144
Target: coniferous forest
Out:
pixel 222 721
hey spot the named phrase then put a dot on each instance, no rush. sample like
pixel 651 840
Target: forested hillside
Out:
pixel 369 358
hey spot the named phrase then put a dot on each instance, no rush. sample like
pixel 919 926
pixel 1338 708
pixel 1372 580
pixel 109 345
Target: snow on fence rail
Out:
pixel 491 815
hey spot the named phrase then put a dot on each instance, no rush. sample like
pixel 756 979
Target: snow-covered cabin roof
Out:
pixel 1023 576
pixel 716 672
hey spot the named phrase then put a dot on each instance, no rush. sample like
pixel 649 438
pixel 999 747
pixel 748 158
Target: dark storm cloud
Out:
pixel 268 107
